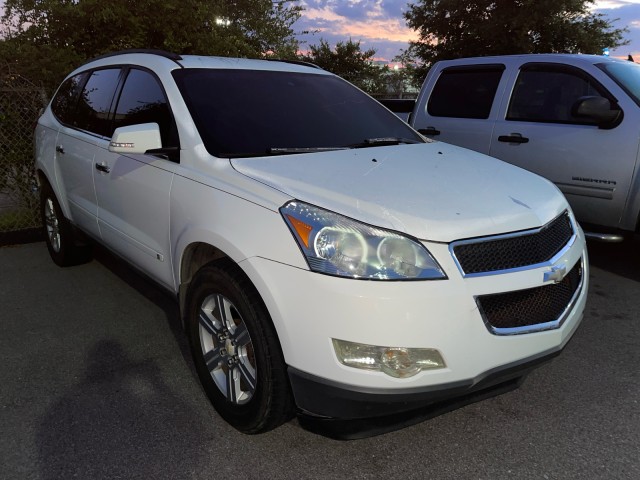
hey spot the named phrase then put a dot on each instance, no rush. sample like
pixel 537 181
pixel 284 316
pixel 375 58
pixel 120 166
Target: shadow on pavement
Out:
pixel 619 258
pixel 120 421
pixel 152 292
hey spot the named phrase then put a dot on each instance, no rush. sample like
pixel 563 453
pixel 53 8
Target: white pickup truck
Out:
pixel 574 119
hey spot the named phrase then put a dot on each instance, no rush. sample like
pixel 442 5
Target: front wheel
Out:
pixel 236 351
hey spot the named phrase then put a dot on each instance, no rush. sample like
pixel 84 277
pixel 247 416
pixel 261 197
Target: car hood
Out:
pixel 432 191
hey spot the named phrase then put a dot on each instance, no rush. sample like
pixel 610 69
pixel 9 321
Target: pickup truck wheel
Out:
pixel 58 232
pixel 235 350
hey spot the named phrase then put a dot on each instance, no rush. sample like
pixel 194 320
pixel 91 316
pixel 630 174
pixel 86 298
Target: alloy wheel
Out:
pixel 227 349
pixel 53 225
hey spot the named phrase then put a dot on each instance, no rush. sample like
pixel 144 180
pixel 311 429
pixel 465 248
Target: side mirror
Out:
pixel 598 109
pixel 136 139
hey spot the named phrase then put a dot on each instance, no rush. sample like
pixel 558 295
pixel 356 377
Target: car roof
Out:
pixel 197 61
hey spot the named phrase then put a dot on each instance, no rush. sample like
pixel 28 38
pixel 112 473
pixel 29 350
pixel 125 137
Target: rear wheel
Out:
pixel 236 351
pixel 59 235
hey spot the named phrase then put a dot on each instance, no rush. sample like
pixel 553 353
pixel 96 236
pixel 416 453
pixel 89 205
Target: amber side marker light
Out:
pixel 302 229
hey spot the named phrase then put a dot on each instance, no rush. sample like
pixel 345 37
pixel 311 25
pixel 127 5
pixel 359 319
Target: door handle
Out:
pixel 60 149
pixel 103 167
pixel 429 131
pixel 513 138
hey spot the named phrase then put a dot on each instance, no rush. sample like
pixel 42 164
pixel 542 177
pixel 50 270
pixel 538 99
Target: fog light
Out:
pixel 396 362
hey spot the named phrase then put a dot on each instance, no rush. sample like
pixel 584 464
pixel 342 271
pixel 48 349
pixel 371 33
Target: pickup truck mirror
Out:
pixel 136 138
pixel 598 109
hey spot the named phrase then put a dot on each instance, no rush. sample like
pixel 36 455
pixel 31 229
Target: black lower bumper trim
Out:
pixel 342 412
pixel 354 429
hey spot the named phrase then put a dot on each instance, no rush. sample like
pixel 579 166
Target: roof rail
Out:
pixel 162 53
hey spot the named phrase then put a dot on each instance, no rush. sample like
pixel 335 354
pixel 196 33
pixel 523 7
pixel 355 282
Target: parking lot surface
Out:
pixel 96 382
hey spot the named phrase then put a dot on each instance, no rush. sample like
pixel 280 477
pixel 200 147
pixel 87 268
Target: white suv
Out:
pixel 328 260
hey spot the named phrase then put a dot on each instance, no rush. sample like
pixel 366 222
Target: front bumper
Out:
pixel 346 414
pixel 310 309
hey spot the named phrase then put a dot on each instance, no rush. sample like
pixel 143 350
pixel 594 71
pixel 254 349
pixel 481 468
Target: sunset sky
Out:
pixel 379 24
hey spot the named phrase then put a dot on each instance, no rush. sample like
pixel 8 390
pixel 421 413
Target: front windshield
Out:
pixel 625 74
pixel 253 112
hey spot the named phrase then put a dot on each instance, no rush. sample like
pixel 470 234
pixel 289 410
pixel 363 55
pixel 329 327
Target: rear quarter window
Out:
pixel 65 101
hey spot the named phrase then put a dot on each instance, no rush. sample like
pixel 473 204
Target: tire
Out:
pixel 58 232
pixel 235 349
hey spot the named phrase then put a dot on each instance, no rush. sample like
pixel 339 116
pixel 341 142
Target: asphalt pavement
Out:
pixel 96 382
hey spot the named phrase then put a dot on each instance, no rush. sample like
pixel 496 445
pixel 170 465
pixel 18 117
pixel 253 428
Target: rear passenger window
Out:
pixel 547 93
pixel 143 101
pixel 66 99
pixel 95 101
pixel 465 92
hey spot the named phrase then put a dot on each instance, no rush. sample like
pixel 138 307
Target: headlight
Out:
pixel 337 245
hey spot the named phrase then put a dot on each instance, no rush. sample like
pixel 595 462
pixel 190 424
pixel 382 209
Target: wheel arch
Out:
pixel 46 177
pixel 192 258
pixel 198 254
pixel 195 256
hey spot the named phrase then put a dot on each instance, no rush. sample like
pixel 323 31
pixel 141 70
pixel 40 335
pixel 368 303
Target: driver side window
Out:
pixel 143 101
pixel 548 93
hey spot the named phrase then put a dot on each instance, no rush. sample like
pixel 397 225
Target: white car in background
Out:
pixel 328 261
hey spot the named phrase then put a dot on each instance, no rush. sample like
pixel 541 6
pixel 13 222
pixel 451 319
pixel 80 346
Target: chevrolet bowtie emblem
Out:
pixel 556 274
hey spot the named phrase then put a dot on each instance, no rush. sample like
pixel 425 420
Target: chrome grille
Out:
pixel 532 309
pixel 515 250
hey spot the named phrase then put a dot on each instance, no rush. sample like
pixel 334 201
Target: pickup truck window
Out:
pixel 257 113
pixel 465 92
pixel 548 93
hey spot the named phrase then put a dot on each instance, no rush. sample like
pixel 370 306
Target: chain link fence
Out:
pixel 20 105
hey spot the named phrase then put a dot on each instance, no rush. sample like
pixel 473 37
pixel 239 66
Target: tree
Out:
pixel 462 28
pixel 350 62
pixel 410 72
pixel 72 31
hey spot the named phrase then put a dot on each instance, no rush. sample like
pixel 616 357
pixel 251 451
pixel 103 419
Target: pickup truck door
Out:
pixel 133 191
pixel 537 131
pixel 456 104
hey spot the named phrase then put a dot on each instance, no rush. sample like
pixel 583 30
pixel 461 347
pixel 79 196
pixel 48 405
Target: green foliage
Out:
pixel 43 65
pixel 461 28
pixel 45 39
pixel 350 62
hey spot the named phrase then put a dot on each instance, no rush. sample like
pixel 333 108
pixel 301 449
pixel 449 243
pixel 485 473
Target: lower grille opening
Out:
pixel 532 309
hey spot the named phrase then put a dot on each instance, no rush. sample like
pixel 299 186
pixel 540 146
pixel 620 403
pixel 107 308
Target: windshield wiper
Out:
pixel 286 150
pixel 369 142
pixel 382 141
